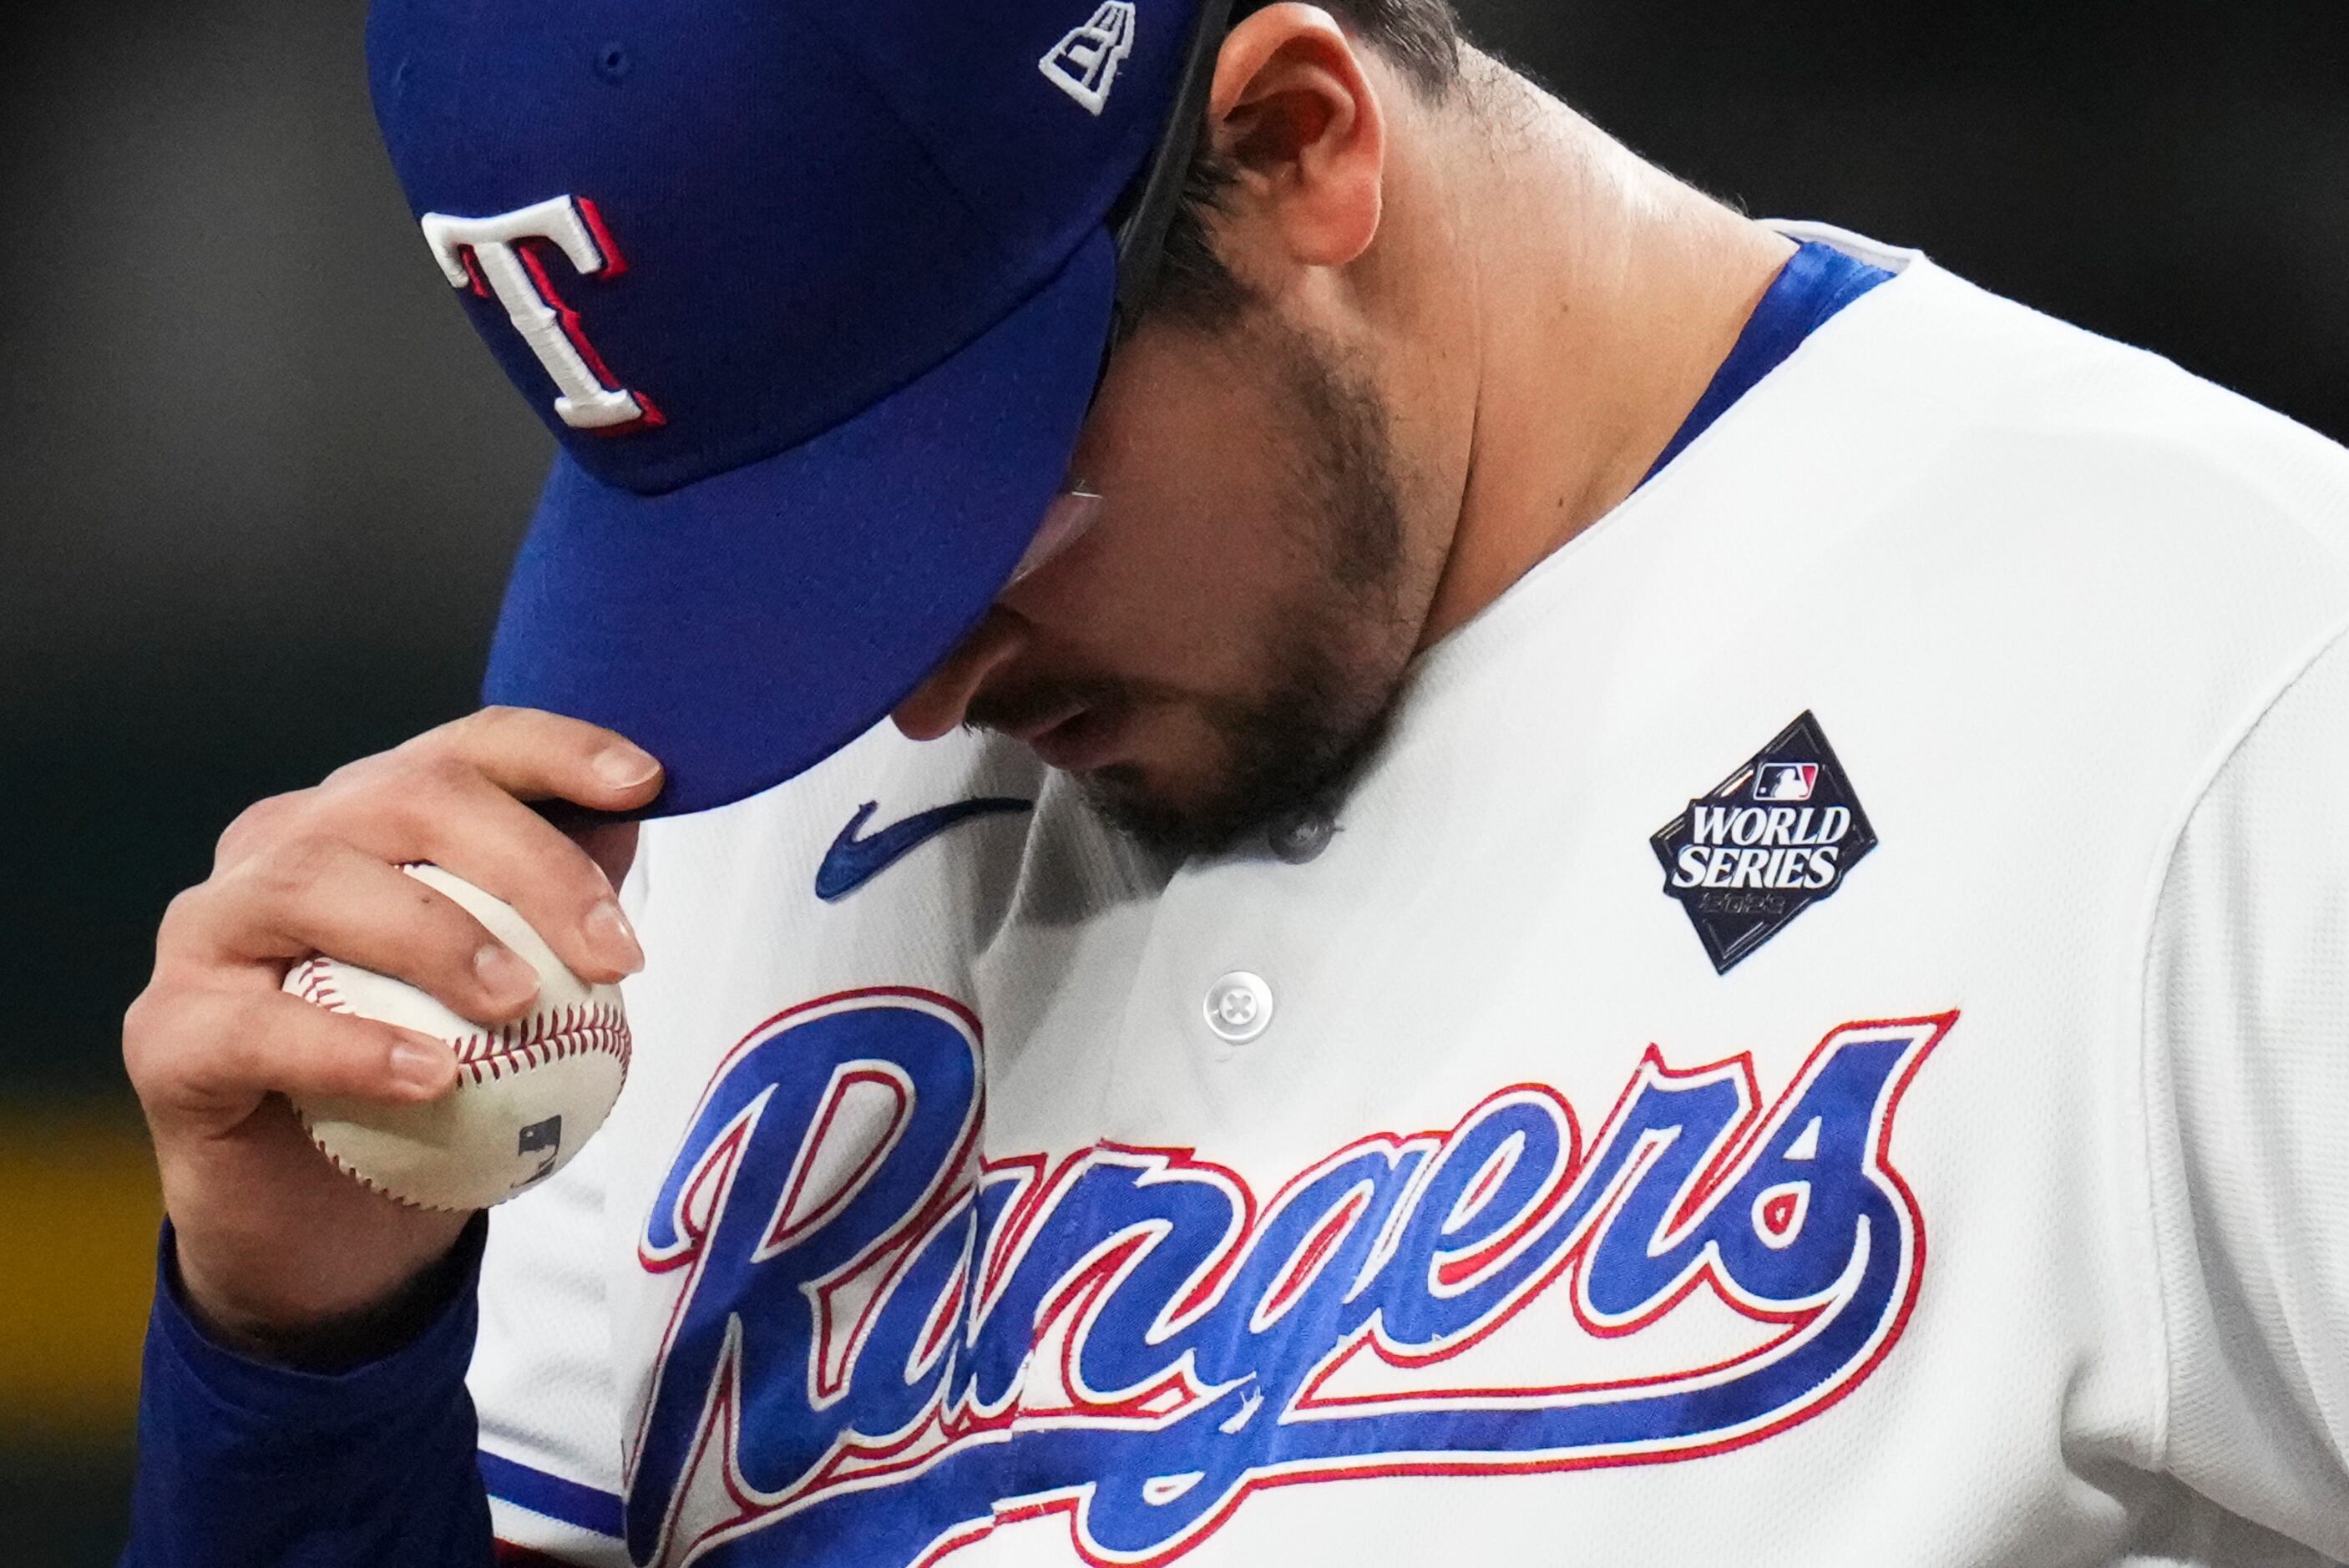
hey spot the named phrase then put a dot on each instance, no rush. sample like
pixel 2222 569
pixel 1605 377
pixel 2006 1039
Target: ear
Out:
pixel 1295 115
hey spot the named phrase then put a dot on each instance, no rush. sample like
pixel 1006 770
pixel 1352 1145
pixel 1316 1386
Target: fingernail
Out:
pixel 624 766
pixel 420 1066
pixel 609 932
pixel 503 974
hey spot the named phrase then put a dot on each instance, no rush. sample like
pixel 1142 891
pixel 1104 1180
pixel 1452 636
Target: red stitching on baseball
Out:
pixel 536 1040
pixel 336 1161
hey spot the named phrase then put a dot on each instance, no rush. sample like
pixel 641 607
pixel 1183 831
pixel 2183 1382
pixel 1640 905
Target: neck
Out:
pixel 1600 295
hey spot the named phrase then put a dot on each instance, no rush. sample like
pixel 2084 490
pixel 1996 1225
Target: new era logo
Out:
pixel 1084 64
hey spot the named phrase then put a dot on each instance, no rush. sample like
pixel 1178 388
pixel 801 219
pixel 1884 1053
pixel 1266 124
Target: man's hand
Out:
pixel 276 1249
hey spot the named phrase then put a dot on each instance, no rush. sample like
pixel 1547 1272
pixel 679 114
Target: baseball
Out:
pixel 529 1093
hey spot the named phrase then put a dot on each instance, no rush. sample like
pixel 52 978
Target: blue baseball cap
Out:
pixel 814 298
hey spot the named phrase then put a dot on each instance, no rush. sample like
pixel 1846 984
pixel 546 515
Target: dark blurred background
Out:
pixel 259 482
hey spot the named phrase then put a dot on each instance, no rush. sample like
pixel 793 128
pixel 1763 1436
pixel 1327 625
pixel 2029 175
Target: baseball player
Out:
pixel 1559 878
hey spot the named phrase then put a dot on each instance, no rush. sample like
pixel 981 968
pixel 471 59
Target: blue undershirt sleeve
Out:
pixel 243 1464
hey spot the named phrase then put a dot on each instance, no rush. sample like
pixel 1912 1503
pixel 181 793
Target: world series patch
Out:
pixel 1773 839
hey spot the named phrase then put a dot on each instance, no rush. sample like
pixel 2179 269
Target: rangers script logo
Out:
pixel 881 1345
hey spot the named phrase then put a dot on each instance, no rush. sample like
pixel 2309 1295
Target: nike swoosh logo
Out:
pixel 852 862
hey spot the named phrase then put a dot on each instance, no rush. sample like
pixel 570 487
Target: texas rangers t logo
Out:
pixel 883 1343
pixel 493 256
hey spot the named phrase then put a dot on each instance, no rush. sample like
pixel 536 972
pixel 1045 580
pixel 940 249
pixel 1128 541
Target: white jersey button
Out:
pixel 1239 1005
pixel 1299 838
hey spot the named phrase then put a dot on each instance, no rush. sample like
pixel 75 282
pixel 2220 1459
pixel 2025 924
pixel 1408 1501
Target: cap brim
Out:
pixel 744 627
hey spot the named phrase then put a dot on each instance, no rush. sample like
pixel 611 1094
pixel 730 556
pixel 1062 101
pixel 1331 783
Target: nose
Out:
pixel 940 703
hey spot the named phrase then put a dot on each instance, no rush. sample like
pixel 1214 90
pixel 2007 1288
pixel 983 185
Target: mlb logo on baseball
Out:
pixel 1785 781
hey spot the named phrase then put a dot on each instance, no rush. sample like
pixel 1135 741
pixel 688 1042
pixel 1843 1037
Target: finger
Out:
pixel 418 805
pixel 538 756
pixel 220 1050
pixel 324 895
pixel 464 823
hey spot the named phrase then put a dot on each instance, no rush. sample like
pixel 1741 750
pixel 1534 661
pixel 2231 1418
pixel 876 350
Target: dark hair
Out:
pixel 1420 37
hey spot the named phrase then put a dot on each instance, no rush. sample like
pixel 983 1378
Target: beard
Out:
pixel 1336 648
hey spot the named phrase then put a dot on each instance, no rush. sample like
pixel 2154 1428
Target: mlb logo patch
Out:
pixel 1785 781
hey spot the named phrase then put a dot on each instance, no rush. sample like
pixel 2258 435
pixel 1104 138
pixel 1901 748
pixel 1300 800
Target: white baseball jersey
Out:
pixel 1822 1038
